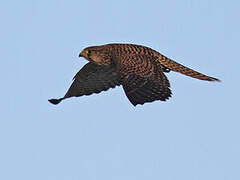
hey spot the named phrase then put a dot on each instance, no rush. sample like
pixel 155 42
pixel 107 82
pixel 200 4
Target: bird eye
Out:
pixel 89 52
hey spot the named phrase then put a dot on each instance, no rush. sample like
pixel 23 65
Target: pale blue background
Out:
pixel 193 136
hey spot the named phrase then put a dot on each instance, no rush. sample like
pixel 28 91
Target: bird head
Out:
pixel 86 53
pixel 94 54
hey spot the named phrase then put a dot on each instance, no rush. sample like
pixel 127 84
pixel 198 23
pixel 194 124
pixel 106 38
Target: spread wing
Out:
pixel 92 78
pixel 143 80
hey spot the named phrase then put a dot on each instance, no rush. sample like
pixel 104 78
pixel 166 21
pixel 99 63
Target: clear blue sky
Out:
pixel 193 136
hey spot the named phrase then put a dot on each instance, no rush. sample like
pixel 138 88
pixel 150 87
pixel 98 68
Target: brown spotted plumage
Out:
pixel 139 69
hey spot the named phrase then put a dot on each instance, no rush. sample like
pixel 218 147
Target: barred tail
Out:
pixel 172 65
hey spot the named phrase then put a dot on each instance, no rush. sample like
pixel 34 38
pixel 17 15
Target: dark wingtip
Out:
pixel 55 101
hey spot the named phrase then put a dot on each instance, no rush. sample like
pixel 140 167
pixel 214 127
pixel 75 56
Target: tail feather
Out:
pixel 172 65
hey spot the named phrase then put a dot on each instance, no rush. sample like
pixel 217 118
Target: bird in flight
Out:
pixel 139 69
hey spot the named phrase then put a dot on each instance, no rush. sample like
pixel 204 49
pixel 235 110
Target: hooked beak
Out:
pixel 83 53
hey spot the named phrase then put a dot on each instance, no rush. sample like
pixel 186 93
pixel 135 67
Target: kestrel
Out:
pixel 139 69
